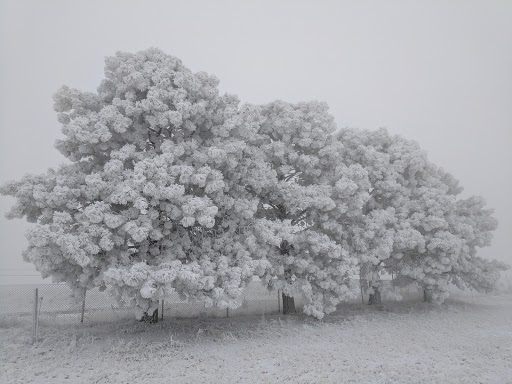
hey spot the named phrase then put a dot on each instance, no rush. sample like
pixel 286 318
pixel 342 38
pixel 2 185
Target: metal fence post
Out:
pixel 36 315
pixel 83 308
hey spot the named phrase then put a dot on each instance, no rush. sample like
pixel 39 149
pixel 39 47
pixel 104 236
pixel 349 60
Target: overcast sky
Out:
pixel 438 72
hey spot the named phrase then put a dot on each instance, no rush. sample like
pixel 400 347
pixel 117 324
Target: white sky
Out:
pixel 438 72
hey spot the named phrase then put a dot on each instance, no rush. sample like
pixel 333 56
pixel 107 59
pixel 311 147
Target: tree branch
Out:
pixel 291 175
pixel 301 216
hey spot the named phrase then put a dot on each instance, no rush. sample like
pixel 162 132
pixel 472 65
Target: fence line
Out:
pixel 17 302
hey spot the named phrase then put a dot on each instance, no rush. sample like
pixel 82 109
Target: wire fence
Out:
pixel 56 305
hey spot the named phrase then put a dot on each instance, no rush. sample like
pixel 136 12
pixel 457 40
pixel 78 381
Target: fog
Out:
pixel 436 72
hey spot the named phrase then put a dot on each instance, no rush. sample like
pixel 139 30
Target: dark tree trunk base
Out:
pixel 427 297
pixel 150 319
pixel 374 298
pixel 288 304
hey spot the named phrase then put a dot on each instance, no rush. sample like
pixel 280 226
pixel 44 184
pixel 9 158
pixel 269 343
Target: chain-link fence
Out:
pixel 56 304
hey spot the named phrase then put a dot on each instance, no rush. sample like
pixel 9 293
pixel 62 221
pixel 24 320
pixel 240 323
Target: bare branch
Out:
pixel 301 216
pixel 291 175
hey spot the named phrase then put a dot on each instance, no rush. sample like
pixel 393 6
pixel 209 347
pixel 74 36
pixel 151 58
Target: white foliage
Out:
pixel 152 157
pixel 415 226
pixel 170 186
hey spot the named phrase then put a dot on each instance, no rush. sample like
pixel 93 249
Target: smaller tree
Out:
pixel 395 167
pixel 475 224
pixel 414 225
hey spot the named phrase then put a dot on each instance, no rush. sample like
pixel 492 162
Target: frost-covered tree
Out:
pixel 414 225
pixel 169 186
pixel 474 224
pixel 453 229
pixel 394 168
pixel 306 194
pixel 149 200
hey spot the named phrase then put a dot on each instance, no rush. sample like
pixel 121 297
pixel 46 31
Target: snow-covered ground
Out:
pixel 466 340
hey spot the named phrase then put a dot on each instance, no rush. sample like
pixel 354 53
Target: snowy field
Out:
pixel 466 340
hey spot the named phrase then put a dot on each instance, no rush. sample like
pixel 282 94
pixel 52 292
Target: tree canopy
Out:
pixel 170 186
pixel 415 225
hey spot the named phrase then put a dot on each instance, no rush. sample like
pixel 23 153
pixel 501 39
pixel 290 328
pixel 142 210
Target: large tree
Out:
pixel 148 200
pixel 169 186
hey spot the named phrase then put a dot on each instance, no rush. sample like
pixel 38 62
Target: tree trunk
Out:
pixel 427 298
pixel 288 304
pixel 150 319
pixel 288 301
pixel 374 298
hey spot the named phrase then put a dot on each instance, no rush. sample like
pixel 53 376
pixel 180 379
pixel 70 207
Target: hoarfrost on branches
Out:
pixel 305 196
pixel 415 226
pixel 171 186
pixel 154 160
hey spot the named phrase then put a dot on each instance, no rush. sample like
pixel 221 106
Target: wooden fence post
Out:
pixel 279 300
pixel 162 315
